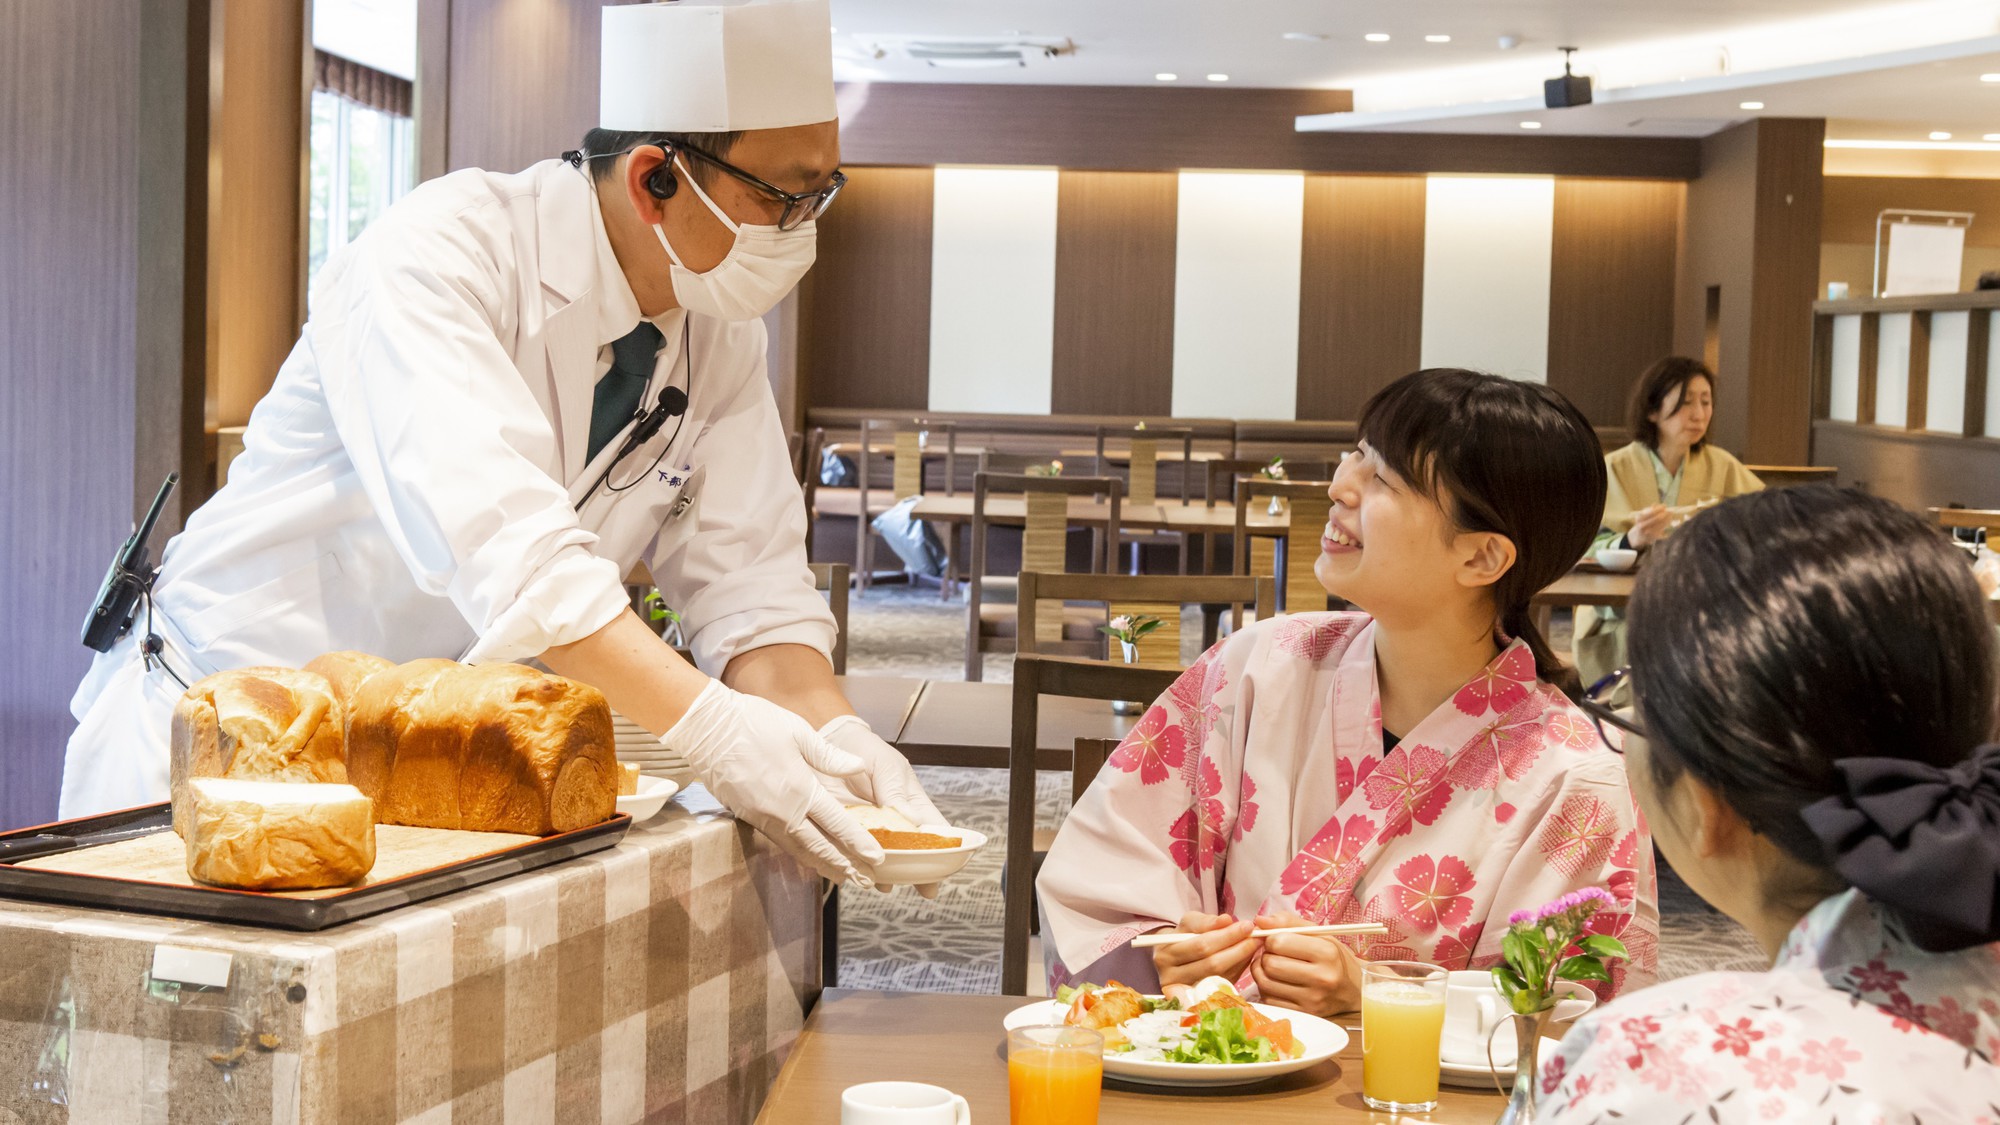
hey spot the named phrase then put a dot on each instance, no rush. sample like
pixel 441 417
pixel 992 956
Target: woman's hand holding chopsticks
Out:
pixel 1210 945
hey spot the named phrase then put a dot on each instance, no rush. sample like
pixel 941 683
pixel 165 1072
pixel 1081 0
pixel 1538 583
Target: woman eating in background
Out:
pixel 1815 763
pixel 1669 469
pixel 1413 764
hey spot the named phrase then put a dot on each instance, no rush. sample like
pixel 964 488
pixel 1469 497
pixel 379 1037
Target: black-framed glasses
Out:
pixel 800 206
pixel 1596 702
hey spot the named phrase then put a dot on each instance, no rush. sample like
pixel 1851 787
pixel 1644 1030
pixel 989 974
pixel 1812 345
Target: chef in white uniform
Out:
pixel 446 465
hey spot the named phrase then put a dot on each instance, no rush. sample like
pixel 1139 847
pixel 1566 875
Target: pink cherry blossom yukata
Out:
pixel 1257 783
pixel 1853 1025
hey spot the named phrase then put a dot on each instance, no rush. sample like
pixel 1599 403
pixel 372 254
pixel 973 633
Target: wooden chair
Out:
pixel 1309 505
pixel 1157 595
pixel 991 624
pixel 795 448
pixel 906 460
pixel 1035 676
pixel 1224 474
pixel 1143 475
pixel 1787 476
pixel 831 579
pixel 809 480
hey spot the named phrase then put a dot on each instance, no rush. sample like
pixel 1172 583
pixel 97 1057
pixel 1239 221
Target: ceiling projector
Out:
pixel 1568 90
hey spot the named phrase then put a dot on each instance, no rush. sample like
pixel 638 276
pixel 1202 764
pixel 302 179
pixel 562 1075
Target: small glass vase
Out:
pixel 1277 506
pixel 1527 1066
pixel 1130 651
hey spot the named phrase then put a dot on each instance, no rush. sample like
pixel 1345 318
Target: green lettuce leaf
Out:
pixel 1220 1038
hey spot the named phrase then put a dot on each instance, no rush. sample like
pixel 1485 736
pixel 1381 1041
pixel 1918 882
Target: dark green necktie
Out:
pixel 621 388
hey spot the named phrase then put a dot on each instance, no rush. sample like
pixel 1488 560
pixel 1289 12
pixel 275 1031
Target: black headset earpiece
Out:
pixel 661 181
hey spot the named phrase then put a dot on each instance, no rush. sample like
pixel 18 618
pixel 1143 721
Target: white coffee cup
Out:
pixel 902 1103
pixel 1474 1011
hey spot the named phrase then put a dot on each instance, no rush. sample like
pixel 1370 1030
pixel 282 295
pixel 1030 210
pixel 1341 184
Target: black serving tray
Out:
pixel 259 908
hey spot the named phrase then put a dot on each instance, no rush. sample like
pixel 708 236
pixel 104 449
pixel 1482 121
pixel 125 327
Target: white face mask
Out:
pixel 761 267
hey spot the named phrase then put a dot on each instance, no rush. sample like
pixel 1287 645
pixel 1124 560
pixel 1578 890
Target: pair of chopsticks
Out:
pixel 1148 941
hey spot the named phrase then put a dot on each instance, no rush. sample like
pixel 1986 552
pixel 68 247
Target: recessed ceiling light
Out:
pixel 1305 36
pixel 1377 37
pixel 1218 78
pixel 1940 135
pixel 1750 105
pixel 1165 76
pixel 1437 38
pixel 1989 78
pixel 1531 124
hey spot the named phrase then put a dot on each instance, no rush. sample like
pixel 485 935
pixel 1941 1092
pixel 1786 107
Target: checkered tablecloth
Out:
pixel 663 980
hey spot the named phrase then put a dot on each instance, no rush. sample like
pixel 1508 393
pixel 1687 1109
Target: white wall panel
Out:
pixel 1236 294
pixel 1487 243
pixel 1944 402
pixel 993 289
pixel 1892 369
pixel 1846 397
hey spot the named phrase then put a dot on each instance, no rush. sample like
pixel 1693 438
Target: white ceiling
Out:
pixel 1889 71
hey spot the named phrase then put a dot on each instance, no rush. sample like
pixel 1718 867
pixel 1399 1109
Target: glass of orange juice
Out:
pixel 1054 1075
pixel 1402 1024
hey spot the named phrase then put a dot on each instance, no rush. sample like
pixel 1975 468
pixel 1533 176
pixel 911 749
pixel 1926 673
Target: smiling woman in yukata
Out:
pixel 1412 764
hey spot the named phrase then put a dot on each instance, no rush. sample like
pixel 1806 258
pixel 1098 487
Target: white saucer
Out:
pixel 1474 1075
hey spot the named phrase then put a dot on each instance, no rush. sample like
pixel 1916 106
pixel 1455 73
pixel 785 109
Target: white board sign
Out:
pixel 1923 258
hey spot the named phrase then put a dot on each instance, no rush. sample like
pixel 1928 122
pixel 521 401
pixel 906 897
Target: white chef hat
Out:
pixel 686 67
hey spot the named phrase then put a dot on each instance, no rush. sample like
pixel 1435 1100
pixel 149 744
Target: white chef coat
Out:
pixel 406 487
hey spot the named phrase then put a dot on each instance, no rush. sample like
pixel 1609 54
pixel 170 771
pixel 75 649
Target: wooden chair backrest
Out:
pixel 1035 676
pixel 1157 595
pixel 809 483
pixel 1045 535
pixel 1144 446
pixel 1222 474
pixel 1308 506
pixel 831 578
pixel 1786 476
pixel 1086 762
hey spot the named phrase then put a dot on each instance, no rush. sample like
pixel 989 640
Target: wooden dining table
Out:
pixel 956 1041
pixel 954 723
pixel 1581 587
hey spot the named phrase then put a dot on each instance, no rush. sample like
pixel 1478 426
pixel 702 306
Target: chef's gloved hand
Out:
pixel 886 780
pixel 760 760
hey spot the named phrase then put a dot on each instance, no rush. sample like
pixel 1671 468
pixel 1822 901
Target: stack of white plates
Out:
pixel 638 746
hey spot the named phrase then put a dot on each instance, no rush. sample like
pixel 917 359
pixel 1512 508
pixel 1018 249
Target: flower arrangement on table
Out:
pixel 1127 630
pixel 1052 469
pixel 1275 470
pixel 1532 955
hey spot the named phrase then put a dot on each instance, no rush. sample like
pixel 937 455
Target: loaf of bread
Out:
pixel 277 836
pixel 346 671
pixel 255 724
pixel 489 748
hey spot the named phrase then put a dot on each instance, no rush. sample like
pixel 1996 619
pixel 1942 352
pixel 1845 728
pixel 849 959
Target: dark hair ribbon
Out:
pixel 1921 840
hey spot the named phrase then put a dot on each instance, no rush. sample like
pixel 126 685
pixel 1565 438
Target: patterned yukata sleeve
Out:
pixel 1131 857
pixel 1590 834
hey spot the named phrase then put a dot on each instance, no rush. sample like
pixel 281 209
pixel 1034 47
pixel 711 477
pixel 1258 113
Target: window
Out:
pixel 363 153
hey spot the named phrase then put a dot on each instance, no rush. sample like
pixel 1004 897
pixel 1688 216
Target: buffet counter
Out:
pixel 663 980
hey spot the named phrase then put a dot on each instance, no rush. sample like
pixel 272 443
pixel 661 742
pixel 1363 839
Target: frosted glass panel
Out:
pixel 1486 273
pixel 993 289
pixel 1944 395
pixel 1236 294
pixel 1846 398
pixel 1892 367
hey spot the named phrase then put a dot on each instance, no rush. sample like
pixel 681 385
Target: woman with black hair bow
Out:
pixel 1816 762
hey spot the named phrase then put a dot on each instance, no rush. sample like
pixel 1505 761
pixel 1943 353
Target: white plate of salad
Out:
pixel 1200 1035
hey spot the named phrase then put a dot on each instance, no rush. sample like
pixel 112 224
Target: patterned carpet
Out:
pixel 900 941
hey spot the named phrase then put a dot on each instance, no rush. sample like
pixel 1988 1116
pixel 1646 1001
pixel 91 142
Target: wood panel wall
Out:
pixel 1361 290
pixel 1611 288
pixel 865 308
pixel 1785 253
pixel 1131 128
pixel 1912 468
pixel 1850 204
pixel 1116 235
pixel 256 199
pixel 70 311
pixel 521 79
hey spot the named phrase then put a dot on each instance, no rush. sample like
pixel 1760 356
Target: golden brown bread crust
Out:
pixel 346 671
pixel 268 836
pixel 489 748
pixel 257 724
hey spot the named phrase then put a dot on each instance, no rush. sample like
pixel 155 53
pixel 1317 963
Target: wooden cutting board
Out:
pixel 399 851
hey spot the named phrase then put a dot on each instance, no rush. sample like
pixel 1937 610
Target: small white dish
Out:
pixel 1617 559
pixel 916 866
pixel 649 800
pixel 1322 1039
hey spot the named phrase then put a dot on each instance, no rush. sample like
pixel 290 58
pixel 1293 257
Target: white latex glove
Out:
pixel 886 779
pixel 759 759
